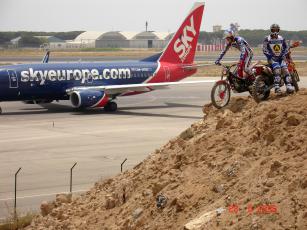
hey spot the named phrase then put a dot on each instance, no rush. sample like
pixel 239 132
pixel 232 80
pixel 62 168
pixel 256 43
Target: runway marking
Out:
pixel 38 195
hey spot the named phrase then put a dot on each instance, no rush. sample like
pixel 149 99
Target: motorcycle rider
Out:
pixel 275 49
pixel 245 56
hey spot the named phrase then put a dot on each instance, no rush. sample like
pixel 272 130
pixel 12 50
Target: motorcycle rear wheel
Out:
pixel 295 78
pixel 258 90
pixel 220 94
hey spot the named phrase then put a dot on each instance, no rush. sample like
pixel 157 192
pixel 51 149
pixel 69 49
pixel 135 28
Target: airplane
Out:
pixel 98 84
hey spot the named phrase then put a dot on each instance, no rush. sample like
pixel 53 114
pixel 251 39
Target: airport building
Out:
pixel 146 39
pixel 85 40
pixel 52 42
pixel 217 28
pixel 120 39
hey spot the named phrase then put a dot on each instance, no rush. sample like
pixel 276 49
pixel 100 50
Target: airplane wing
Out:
pixel 117 89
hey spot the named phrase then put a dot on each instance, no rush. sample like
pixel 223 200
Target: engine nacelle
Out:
pixel 88 98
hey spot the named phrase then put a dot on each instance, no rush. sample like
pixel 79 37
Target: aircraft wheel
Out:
pixel 111 106
pixel 0 110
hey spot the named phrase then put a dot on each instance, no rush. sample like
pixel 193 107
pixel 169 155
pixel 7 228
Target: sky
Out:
pixel 162 15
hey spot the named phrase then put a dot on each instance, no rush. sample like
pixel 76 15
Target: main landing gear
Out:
pixel 0 110
pixel 111 106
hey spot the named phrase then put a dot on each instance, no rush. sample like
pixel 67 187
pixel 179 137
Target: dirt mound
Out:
pixel 243 167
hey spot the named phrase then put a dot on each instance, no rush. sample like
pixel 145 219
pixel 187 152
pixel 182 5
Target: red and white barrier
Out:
pixel 210 48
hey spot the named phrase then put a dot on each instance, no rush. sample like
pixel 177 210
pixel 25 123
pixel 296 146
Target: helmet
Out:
pixel 228 34
pixel 274 29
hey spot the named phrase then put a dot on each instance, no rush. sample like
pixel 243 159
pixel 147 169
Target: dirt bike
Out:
pixel 220 93
pixel 265 82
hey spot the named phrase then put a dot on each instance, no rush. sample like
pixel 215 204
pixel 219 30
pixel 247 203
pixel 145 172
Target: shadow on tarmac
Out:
pixel 58 108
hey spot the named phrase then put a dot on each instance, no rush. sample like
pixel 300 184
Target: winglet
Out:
pixel 46 57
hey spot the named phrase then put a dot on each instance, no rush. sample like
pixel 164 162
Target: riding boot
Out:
pixel 277 85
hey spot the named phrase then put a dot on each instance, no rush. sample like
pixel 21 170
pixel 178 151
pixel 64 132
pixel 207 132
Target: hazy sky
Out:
pixel 162 15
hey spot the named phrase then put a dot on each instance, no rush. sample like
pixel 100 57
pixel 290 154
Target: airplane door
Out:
pixel 167 73
pixel 13 79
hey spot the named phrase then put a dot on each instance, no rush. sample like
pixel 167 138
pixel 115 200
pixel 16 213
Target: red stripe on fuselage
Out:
pixel 102 102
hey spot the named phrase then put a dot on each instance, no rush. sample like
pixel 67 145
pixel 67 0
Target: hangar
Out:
pixel 121 39
pixel 86 39
pixel 52 42
pixel 115 39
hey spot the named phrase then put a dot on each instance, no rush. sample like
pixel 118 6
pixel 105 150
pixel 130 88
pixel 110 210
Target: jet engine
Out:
pixel 88 99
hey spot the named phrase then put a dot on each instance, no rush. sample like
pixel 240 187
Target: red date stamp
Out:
pixel 251 209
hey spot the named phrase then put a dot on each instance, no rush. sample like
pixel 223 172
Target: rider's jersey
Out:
pixel 240 44
pixel 275 48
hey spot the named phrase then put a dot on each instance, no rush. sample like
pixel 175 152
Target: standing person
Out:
pixel 275 49
pixel 245 56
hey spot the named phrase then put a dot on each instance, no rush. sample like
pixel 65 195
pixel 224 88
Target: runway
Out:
pixel 45 141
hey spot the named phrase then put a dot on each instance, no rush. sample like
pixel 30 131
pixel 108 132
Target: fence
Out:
pixel 210 48
pixel 70 185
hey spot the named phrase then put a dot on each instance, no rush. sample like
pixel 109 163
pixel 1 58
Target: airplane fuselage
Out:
pixel 51 80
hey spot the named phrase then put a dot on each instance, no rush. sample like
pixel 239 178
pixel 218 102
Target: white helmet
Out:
pixel 228 34
pixel 274 29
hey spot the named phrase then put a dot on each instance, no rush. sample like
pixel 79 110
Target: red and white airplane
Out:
pixel 89 85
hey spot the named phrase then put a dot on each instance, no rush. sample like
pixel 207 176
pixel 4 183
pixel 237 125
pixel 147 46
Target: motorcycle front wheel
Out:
pixel 220 94
pixel 260 90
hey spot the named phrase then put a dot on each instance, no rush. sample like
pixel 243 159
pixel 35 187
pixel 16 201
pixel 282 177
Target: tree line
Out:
pixel 28 39
pixel 253 37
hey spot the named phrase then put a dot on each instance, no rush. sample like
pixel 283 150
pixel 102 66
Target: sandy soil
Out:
pixel 242 167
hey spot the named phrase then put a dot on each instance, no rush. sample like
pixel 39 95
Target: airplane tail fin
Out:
pixel 182 46
pixel 46 57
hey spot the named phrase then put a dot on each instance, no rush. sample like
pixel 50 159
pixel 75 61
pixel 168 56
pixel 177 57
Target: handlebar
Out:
pixel 295 44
